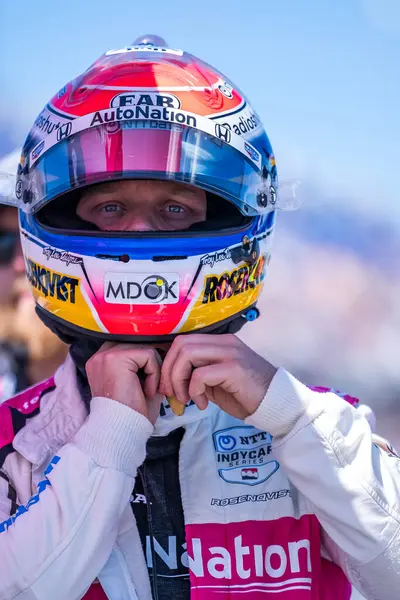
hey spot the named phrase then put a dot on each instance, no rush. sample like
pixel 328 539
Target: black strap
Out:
pixel 12 494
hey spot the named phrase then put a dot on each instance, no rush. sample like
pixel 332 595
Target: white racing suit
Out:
pixel 290 504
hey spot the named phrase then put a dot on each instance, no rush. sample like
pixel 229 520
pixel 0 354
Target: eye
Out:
pixel 175 208
pixel 110 209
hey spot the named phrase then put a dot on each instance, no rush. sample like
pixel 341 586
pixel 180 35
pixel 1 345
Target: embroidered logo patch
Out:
pixel 243 455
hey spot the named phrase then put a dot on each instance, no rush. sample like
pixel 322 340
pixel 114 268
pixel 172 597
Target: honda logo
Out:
pixel 223 133
pixel 64 131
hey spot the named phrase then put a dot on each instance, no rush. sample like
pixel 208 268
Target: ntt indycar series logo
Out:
pixel 141 288
pixel 243 455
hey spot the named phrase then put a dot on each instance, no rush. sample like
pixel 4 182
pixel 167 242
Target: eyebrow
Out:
pixel 110 192
pixel 185 192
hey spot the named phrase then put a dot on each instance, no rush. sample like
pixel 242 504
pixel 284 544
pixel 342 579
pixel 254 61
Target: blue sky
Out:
pixel 322 74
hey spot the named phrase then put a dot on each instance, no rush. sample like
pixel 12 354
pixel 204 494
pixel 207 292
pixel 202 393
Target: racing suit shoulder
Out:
pixel 29 399
pixel 16 411
pixel 366 412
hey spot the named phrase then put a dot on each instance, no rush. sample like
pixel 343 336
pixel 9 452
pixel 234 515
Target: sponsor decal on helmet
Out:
pixel 36 152
pixel 211 259
pixel 251 151
pixel 242 122
pixel 162 125
pixel 63 256
pixel 145 99
pixel 62 92
pixel 47 121
pixel 50 283
pixel 226 89
pixel 128 113
pixel 64 131
pixel 141 288
pixel 243 454
pixel 248 251
pixel 221 287
pixel 223 133
pixel 101 117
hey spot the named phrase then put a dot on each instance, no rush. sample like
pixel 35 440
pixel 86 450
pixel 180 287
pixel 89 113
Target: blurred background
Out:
pixel 323 77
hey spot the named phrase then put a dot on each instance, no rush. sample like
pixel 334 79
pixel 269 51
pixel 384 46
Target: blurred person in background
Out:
pixel 147 194
pixel 29 352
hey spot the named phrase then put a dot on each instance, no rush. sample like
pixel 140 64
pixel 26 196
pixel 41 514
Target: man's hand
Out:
pixel 220 368
pixel 113 373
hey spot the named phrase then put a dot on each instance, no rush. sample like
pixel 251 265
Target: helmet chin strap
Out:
pixel 82 347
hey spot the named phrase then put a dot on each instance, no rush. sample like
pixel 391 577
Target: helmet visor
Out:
pixel 149 150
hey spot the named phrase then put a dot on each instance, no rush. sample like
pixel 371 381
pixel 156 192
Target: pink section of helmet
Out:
pixel 146 150
pixel 104 150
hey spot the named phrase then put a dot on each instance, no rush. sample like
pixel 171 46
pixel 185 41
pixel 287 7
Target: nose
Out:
pixel 140 223
pixel 18 263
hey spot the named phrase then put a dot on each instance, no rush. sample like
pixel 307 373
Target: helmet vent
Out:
pixel 163 258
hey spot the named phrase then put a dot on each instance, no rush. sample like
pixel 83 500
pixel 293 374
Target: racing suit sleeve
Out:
pixel 327 450
pixel 56 545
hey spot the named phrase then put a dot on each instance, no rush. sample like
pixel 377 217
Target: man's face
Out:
pixel 12 266
pixel 143 205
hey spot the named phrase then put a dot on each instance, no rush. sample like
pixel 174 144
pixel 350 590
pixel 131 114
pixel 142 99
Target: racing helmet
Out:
pixel 147 111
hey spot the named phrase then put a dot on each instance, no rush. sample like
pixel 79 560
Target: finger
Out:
pixel 152 370
pixel 124 346
pixel 210 376
pixel 168 361
pixel 149 360
pixel 187 359
pixel 138 357
pixel 179 343
pixel 201 401
pixel 186 354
